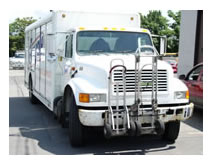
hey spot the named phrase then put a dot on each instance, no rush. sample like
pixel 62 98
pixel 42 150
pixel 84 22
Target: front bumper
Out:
pixel 166 113
pixel 181 113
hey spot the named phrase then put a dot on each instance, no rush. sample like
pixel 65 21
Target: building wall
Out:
pixel 187 41
pixel 199 39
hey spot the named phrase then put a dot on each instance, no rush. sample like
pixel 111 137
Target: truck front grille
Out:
pixel 146 80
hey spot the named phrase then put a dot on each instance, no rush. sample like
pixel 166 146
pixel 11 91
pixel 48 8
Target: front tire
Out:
pixel 76 130
pixel 172 131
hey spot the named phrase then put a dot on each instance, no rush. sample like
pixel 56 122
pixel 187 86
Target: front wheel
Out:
pixel 76 130
pixel 172 130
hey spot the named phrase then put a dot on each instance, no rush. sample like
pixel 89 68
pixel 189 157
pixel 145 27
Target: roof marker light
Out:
pixel 144 30
pixel 81 28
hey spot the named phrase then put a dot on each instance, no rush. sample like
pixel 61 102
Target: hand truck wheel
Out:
pixel 132 130
pixel 138 128
pixel 107 130
pixel 159 127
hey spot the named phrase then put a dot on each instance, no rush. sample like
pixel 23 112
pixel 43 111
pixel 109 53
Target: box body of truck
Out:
pixel 102 70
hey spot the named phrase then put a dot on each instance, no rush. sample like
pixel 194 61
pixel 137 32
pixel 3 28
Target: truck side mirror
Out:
pixel 163 43
pixel 162 40
pixel 182 77
pixel 139 46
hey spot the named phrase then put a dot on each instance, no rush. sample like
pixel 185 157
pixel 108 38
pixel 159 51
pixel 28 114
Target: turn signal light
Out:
pixel 187 94
pixel 83 97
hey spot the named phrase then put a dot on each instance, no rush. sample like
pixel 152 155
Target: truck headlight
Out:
pixel 86 98
pixel 181 95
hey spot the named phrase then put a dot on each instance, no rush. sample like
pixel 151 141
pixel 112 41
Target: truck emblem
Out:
pixel 144 83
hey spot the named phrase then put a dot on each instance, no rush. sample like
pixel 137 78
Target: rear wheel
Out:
pixel 59 110
pixel 172 130
pixel 76 130
pixel 32 98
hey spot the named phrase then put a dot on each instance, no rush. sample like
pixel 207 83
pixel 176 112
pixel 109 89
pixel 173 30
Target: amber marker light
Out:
pixel 73 68
pixel 187 94
pixel 84 98
pixel 81 28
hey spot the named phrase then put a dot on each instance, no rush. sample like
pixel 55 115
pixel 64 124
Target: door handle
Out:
pixel 51 57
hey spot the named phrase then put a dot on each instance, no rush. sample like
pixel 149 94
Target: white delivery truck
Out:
pixel 102 70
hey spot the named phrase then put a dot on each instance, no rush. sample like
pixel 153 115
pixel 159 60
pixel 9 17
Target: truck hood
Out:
pixel 104 61
pixel 95 69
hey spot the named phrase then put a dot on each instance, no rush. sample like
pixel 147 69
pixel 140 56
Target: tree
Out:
pixel 159 25
pixel 155 22
pixel 173 42
pixel 17 34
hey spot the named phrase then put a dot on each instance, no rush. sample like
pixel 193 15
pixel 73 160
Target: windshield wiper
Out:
pixel 125 51
pixel 98 52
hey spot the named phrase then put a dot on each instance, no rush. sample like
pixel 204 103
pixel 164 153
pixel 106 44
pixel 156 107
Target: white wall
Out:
pixel 187 41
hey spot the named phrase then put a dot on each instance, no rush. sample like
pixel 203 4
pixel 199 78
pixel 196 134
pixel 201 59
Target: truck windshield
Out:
pixel 95 42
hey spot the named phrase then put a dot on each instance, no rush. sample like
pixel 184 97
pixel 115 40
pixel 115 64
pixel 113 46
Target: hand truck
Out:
pixel 117 121
pixel 137 109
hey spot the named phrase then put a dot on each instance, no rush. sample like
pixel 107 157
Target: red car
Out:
pixel 194 82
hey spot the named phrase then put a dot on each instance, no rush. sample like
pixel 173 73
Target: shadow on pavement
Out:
pixel 196 121
pixel 37 122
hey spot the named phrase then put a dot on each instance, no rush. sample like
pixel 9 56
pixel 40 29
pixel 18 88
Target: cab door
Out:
pixel 68 68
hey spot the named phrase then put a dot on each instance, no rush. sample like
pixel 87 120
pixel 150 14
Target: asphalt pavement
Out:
pixel 34 131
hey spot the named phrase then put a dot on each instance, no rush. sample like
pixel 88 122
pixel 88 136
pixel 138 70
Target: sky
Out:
pixel 37 14
pixel 26 13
